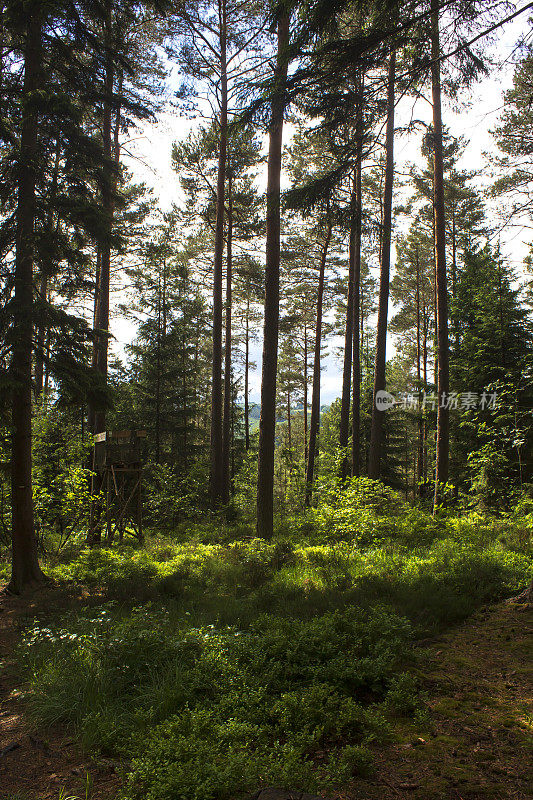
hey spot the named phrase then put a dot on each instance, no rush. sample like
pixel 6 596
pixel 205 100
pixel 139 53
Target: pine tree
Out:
pixel 374 464
pixel 25 566
pixel 216 42
pixel 267 421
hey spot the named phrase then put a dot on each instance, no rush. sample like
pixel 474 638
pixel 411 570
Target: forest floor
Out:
pixel 37 764
pixel 477 740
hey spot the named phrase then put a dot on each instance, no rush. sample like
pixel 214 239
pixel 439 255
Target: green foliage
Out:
pixel 171 496
pixel 369 512
pixel 260 662
pixel 210 695
pixel 403 697
pixel 61 478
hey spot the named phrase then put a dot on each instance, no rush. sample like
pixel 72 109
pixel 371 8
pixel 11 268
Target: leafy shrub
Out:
pixel 402 697
pixel 368 512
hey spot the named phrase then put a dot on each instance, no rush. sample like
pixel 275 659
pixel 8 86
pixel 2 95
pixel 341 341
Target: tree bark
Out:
pixel 376 431
pixel 267 421
pixel 347 365
pixel 158 380
pixel 25 569
pixel 289 429
pixel 425 382
pixel 315 398
pixel 46 270
pixel 306 396
pixel 41 337
pixel 356 358
pixel 226 433
pixel 443 376
pixel 246 379
pixel 420 445
pixel 107 204
pixel 216 454
pixel 91 411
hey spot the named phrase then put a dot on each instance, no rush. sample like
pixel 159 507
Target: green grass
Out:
pixel 216 666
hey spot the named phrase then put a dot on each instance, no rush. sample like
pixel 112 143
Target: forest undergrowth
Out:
pixel 213 663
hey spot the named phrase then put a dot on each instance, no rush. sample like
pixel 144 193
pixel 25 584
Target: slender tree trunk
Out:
pixel 500 304
pixel 356 359
pixel 226 432
pixel 184 394
pixel 306 395
pixel 107 203
pixel 216 466
pixel 267 421
pixel 315 399
pixel 376 433
pixel 454 272
pixel 2 39
pixel 425 380
pixel 246 378
pixel 454 252
pixel 347 365
pixel 443 378
pixel 46 269
pixel 364 368
pixel 289 429
pixel 41 337
pixel 232 450
pixel 158 381
pixel 91 411
pixel 25 569
pixel 420 448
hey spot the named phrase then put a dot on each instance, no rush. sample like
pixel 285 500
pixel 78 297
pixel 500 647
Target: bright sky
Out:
pixel 150 161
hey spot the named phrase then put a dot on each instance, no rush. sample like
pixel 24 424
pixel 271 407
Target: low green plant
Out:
pixel 217 666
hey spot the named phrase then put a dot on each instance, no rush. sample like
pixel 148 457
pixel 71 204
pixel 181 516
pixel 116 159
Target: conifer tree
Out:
pixel 25 566
pixel 216 41
pixel 374 463
pixel 267 421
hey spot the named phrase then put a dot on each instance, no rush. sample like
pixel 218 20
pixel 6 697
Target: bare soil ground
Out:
pixel 476 744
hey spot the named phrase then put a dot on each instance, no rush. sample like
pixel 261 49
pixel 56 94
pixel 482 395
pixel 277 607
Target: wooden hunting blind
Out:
pixel 118 458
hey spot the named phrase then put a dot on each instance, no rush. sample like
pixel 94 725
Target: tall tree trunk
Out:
pixel 420 445
pixel 443 378
pixel 158 380
pixel 306 395
pixel 184 395
pixel 454 272
pixel 356 359
pixel 425 382
pixel 315 399
pixel 216 463
pixel 46 270
pixel 247 378
pixel 226 432
pixel 107 203
pixel 376 432
pixel 267 421
pixel 25 569
pixel 347 365
pixel 91 411
pixel 500 304
pixel 41 337
pixel 2 40
pixel 289 429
